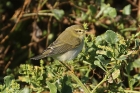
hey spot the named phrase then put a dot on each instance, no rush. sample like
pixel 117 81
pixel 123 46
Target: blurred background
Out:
pixel 28 26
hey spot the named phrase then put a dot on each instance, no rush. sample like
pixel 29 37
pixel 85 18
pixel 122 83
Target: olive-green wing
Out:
pixel 61 46
pixel 57 47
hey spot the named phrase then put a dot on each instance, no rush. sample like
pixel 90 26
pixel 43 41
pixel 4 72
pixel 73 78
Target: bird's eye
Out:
pixel 78 30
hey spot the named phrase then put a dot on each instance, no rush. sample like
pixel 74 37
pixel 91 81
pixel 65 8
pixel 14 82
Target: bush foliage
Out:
pixel 108 63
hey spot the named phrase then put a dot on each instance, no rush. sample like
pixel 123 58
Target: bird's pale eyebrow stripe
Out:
pixel 79 30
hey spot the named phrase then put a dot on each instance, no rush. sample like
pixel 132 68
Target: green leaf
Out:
pixel 66 88
pixel 91 10
pixel 58 14
pixel 8 79
pixel 129 29
pixel 99 40
pixel 136 63
pixel 109 54
pixel 116 73
pixel 110 12
pixel 137 44
pixel 102 60
pixel 25 90
pixel 90 49
pixel 110 37
pixel 107 11
pixel 86 62
pixel 137 34
pixel 122 57
pixel 52 87
pixel 137 76
pixel 98 63
pixel 84 16
pixel 102 10
pixel 132 81
pixel 85 25
pixel 127 10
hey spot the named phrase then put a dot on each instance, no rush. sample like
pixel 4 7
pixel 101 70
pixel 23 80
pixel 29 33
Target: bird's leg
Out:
pixel 66 66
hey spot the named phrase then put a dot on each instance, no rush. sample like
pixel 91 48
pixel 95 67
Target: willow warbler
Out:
pixel 67 46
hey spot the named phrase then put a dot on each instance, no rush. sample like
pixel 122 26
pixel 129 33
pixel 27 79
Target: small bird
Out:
pixel 67 46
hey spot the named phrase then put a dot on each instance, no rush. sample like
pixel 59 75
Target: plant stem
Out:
pixel 131 91
pixel 93 91
pixel 86 90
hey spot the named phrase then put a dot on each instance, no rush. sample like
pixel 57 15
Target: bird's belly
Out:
pixel 69 55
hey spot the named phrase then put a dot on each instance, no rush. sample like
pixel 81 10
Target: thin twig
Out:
pixel 40 14
pixel 86 90
pixel 5 27
pixel 72 4
pixel 7 65
pixel 130 1
pixel 48 26
pixel 32 43
pixel 83 9
pixel 66 66
pixel 138 13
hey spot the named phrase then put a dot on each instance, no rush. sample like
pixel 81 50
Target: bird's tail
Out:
pixel 38 57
